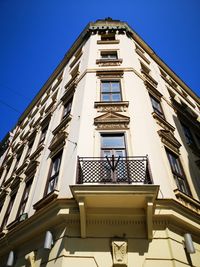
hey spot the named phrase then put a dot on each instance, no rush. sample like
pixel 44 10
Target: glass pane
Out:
pixel 52 184
pixel 105 97
pixel 113 141
pixel 116 97
pixel 175 165
pixel 56 165
pixel 105 86
pixel 115 86
pixel 113 56
pixel 120 153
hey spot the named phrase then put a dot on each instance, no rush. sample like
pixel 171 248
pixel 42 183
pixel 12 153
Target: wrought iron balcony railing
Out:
pixel 113 170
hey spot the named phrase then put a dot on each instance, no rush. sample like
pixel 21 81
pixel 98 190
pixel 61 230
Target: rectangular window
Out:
pixel 113 144
pixel 109 55
pixel 188 134
pixel 110 91
pixel 43 134
pixel 17 161
pixel 25 197
pixel 157 106
pixel 178 174
pixel 108 37
pixel 9 209
pixel 54 173
pixel 114 168
pixel 67 107
pixel 30 145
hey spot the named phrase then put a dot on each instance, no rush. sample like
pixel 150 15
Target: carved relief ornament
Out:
pixel 111 120
pixel 120 106
pixel 119 251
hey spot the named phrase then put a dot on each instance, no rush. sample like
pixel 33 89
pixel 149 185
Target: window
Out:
pixel 67 107
pixel 17 160
pixel 108 37
pixel 43 134
pixel 25 197
pixel 1 203
pixel 9 209
pixel 188 134
pixel 110 91
pixel 113 144
pixel 30 145
pixel 109 55
pixel 54 172
pixel 157 106
pixel 178 173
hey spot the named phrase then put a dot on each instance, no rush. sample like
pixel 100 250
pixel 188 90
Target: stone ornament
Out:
pixel 119 251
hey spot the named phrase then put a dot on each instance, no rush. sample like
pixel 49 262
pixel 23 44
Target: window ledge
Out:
pixel 120 106
pixel 45 200
pixel 187 201
pixel 109 62
pixel 108 42
pixel 16 221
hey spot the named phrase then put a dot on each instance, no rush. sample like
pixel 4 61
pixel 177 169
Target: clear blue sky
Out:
pixel 35 35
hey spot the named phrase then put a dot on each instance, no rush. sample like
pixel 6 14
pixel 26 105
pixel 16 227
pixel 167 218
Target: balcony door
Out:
pixel 113 145
pixel 113 149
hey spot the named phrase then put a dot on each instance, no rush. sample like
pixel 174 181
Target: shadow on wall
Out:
pixel 193 157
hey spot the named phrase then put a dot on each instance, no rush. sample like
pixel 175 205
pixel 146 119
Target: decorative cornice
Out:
pixel 37 153
pixel 32 167
pixel 139 52
pixel 120 106
pixel 163 123
pixel 148 78
pixel 109 62
pixel 112 120
pixel 187 201
pixel 61 127
pixel 108 41
pixel 153 90
pixel 58 140
pixel 113 73
pixel 169 140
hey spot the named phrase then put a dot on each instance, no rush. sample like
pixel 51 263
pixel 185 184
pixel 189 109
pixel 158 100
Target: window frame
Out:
pixel 188 134
pixel 67 107
pixel 110 92
pixel 106 148
pixel 25 197
pixel 108 37
pixel 109 54
pixel 53 177
pixel 178 172
pixel 9 209
pixel 160 111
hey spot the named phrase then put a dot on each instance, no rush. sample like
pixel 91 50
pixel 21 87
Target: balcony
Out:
pixel 113 170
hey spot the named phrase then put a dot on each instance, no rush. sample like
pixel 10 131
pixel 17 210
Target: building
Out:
pixel 103 167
